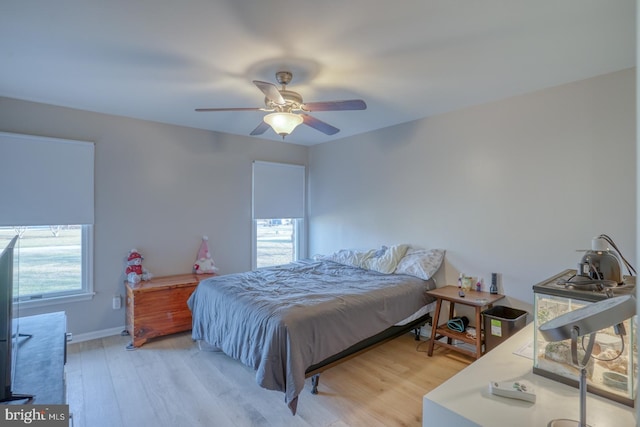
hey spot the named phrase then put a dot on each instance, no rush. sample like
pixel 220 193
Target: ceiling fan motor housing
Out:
pixel 293 101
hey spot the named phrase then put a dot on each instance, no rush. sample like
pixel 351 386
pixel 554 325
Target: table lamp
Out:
pixel 584 321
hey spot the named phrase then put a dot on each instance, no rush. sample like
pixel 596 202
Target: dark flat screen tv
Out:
pixel 7 336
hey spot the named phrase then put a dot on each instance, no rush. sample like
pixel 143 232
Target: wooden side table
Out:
pixel 158 306
pixel 475 299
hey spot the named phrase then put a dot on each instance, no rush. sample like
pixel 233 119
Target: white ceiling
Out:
pixel 160 59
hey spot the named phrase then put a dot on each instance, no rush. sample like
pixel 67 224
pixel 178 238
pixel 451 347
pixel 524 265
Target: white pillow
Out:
pixel 383 260
pixel 344 256
pixel 386 259
pixel 422 263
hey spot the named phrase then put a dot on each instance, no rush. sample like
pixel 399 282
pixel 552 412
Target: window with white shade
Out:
pixel 47 193
pixel 278 201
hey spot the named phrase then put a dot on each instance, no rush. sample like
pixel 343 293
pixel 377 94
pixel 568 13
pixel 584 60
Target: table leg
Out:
pixel 434 326
pixel 451 313
pixel 478 333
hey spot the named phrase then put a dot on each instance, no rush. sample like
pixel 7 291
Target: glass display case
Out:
pixel 612 369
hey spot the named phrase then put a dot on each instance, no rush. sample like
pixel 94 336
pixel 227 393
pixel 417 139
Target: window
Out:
pixel 47 181
pixel 278 212
pixel 50 261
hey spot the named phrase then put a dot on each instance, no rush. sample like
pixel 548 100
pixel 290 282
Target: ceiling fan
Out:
pixel 287 109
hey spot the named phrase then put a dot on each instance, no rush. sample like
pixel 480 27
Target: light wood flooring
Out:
pixel 170 382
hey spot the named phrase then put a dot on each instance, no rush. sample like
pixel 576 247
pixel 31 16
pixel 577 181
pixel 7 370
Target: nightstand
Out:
pixel 475 299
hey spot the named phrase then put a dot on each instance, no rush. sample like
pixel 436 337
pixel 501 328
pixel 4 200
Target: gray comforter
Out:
pixel 281 320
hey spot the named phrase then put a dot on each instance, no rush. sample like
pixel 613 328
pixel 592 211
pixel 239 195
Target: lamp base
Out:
pixel 566 423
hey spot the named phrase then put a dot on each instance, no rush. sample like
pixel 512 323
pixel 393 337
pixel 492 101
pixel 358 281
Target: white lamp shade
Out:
pixel 283 123
pixel 590 318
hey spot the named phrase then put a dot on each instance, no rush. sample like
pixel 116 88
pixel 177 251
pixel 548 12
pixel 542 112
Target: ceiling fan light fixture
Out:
pixel 283 123
pixel 283 102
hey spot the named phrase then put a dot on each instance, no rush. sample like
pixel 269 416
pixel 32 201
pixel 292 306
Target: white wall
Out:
pixel 158 188
pixel 513 187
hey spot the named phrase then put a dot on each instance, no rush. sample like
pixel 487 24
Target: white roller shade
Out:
pixel 278 190
pixel 45 181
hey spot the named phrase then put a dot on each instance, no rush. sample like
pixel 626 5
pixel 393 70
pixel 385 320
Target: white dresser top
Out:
pixel 464 400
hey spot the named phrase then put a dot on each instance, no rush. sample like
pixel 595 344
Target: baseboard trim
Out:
pixel 87 336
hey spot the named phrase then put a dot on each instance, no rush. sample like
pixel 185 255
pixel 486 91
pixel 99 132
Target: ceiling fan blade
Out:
pixel 260 129
pixel 270 91
pixel 323 127
pixel 230 109
pixel 350 104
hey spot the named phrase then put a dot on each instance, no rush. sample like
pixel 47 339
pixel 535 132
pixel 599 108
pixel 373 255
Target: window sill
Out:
pixel 47 301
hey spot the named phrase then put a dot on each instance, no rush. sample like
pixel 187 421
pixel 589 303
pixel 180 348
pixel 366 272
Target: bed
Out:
pixel 292 321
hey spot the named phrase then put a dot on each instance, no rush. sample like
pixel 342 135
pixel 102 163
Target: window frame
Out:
pixel 299 243
pixel 86 291
pixel 279 190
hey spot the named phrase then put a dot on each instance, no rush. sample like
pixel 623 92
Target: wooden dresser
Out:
pixel 158 306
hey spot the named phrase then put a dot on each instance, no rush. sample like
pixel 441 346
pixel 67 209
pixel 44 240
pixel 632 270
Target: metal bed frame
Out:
pixel 314 371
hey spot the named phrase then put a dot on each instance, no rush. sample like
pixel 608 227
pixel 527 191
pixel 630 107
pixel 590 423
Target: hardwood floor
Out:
pixel 170 382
